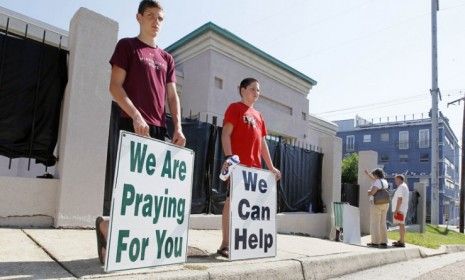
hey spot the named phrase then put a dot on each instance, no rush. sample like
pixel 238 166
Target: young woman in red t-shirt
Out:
pixel 244 134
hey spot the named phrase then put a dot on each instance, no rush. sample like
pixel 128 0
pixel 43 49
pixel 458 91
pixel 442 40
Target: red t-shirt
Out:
pixel 148 71
pixel 248 132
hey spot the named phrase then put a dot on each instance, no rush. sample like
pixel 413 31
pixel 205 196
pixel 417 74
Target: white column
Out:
pixel 368 160
pixel 331 177
pixel 85 120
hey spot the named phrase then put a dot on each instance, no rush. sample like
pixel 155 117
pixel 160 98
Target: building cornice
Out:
pixel 321 125
pixel 30 28
pixel 212 37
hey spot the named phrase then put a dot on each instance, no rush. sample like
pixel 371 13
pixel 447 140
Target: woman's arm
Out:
pixel 265 152
pixel 226 139
pixel 373 190
pixel 369 175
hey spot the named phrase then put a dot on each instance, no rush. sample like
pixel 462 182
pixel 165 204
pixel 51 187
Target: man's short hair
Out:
pixel 145 4
pixel 401 177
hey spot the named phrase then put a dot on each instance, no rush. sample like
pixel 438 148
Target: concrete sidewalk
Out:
pixel 55 253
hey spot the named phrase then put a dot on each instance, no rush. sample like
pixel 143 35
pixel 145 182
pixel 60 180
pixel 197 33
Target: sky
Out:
pixel 371 58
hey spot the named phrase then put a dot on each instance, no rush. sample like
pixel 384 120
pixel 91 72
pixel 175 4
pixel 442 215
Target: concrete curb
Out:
pixel 303 268
pixel 444 249
pixel 335 266
pixel 321 267
pixel 284 269
pixel 454 248
pixel 182 274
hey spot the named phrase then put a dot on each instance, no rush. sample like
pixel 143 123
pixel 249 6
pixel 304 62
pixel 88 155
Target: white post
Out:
pixel 85 120
pixel 331 176
pixel 367 160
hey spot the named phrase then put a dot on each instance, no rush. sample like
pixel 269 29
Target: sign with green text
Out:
pixel 151 202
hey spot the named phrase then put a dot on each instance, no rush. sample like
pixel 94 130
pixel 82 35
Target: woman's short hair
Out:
pixel 378 172
pixel 245 83
pixel 400 177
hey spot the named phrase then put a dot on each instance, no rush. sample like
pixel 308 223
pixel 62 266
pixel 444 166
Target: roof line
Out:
pixel 210 26
pixel 33 21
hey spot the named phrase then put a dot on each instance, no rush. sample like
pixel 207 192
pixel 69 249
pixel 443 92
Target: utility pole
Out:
pixel 434 117
pixel 462 173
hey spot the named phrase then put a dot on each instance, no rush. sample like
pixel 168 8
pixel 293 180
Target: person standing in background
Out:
pixel 378 212
pixel 400 208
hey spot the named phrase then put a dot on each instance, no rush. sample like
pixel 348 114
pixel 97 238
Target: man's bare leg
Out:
pixel 104 227
pixel 402 233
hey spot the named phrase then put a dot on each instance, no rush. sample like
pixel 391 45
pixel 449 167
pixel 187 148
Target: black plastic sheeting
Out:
pixel 198 137
pixel 299 188
pixel 33 78
pixel 219 188
pixel 350 193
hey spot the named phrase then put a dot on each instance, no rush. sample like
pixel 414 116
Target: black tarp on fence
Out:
pixel 350 193
pixel 299 188
pixel 198 137
pixel 33 78
pixel 218 187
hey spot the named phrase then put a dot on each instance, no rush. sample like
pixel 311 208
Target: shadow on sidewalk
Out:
pixel 85 267
pixel 32 270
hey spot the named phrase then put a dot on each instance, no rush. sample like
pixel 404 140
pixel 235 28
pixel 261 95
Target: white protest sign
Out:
pixel 252 224
pixel 351 224
pixel 151 202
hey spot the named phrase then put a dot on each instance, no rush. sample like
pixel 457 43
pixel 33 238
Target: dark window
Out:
pixel 403 158
pixel 424 157
pixel 218 83
pixel 383 158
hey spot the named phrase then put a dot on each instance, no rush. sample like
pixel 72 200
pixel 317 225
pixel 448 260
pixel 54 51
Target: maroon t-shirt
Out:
pixel 148 71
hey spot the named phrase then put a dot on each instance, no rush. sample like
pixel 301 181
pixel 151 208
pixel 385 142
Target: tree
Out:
pixel 350 169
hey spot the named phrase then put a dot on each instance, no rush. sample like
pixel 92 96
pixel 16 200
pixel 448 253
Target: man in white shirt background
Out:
pixel 400 208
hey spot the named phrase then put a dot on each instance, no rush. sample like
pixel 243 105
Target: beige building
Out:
pixel 211 62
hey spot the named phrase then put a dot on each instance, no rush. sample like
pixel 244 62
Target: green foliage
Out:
pixel 350 169
pixel 432 238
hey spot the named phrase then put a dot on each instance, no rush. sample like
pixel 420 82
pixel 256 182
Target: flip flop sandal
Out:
pixel 373 245
pixel 101 242
pixel 398 244
pixel 223 252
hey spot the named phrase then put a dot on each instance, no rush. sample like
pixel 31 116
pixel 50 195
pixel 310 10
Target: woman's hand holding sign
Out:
pixel 276 173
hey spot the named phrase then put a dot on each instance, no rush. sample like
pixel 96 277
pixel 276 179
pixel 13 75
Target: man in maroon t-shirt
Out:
pixel 142 78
